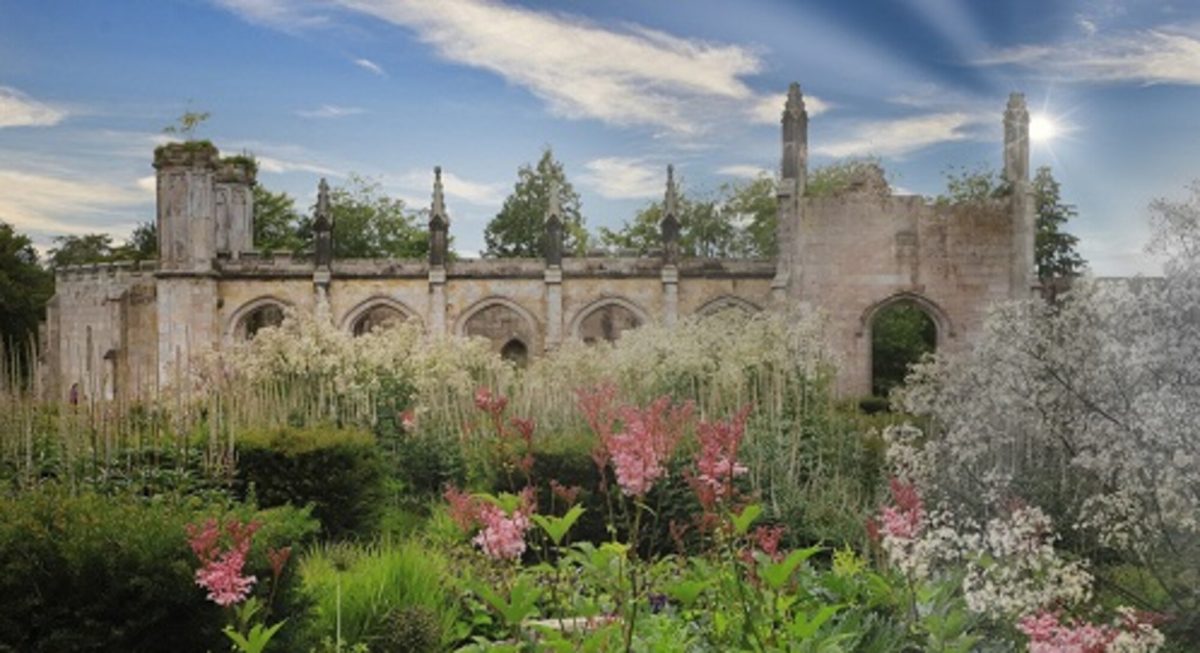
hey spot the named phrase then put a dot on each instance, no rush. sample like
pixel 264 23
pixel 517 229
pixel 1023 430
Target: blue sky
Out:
pixel 619 89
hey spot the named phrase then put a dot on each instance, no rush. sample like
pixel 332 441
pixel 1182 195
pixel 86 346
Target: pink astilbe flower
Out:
pixel 503 534
pixel 490 402
pixel 567 493
pixel 767 539
pixel 906 518
pixel 1049 635
pixel 220 571
pixel 640 452
pixel 464 508
pixel 717 460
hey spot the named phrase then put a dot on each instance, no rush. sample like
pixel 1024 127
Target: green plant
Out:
pixel 360 588
pixel 338 471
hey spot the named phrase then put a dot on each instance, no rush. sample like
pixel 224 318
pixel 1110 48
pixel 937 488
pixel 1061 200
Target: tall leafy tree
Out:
pixel 276 221
pixel 1054 248
pixel 751 206
pixel 81 250
pixel 142 244
pixel 519 229
pixel 367 223
pixel 25 286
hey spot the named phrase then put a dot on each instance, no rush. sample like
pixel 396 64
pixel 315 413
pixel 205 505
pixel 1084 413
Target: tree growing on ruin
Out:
pixel 367 223
pixel 276 221
pixel 82 249
pixel 519 229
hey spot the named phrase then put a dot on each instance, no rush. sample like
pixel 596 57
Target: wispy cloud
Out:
pixel 624 178
pixel 626 76
pixel 289 15
pixel 768 109
pixel 743 170
pixel 284 166
pixel 371 66
pixel 903 135
pixel 330 111
pixel 20 110
pixel 54 205
pixel 456 188
pixel 1164 55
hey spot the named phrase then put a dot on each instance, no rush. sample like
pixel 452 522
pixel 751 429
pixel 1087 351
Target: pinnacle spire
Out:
pixel 670 207
pixel 324 221
pixel 438 210
pixel 554 204
pixel 794 107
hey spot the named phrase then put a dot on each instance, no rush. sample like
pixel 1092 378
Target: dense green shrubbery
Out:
pixel 389 594
pixel 338 471
pixel 95 572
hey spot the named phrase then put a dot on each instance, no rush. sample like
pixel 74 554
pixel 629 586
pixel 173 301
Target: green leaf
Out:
pixel 687 591
pixel 742 522
pixel 557 527
pixel 778 573
pixel 805 626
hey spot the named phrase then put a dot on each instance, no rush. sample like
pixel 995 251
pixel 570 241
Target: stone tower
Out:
pixel 793 172
pixel 1016 176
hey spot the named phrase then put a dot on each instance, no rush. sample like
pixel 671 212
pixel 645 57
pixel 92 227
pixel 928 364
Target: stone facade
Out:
pixel 130 330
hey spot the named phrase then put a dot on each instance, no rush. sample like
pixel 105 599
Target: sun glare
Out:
pixel 1043 128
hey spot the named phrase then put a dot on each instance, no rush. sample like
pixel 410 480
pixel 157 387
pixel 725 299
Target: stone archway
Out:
pixel 606 319
pixel 377 313
pixel 727 303
pixel 502 321
pixel 254 316
pixel 898 332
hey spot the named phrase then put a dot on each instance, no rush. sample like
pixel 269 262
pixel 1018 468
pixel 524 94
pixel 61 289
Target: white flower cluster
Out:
pixel 1137 636
pixel 1017 571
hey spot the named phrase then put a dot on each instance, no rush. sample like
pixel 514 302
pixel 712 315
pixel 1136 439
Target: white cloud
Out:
pixel 149 184
pixel 61 205
pixel 330 111
pixel 289 15
pixel 284 166
pixel 20 110
pixel 367 64
pixel 1164 55
pixel 624 178
pixel 901 136
pixel 743 170
pixel 455 187
pixel 631 76
pixel 768 109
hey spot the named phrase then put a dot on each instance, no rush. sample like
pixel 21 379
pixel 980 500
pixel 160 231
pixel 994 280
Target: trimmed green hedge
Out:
pixel 94 572
pixel 338 471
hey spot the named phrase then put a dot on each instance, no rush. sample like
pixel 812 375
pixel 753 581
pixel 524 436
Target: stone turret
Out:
pixel 323 228
pixel 670 220
pixel 439 223
pixel 187 232
pixel 1016 175
pixel 234 206
pixel 554 228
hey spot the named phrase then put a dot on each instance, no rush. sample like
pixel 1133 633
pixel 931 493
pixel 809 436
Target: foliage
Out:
pixel 518 230
pixel 837 178
pixel 187 123
pixel 978 185
pixel 367 223
pixel 80 250
pixel 379 593
pixel 25 287
pixel 740 222
pixel 94 572
pixel 1087 409
pixel 1054 248
pixel 276 222
pixel 901 334
pixel 337 471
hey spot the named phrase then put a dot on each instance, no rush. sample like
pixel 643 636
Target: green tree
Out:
pixel 142 244
pixel 25 287
pixel 1054 248
pixel 81 250
pixel 976 185
pixel 367 223
pixel 840 176
pixel 519 229
pixel 900 335
pixel 739 223
pixel 276 222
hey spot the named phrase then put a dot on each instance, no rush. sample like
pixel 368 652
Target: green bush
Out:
pixel 425 463
pixel 380 587
pixel 91 572
pixel 338 471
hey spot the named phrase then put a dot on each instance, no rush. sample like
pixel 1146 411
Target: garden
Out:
pixel 697 488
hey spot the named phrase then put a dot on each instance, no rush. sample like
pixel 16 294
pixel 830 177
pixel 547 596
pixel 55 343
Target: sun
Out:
pixel 1043 128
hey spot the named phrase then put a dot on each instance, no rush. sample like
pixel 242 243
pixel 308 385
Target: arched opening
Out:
pixel 607 323
pixel 727 305
pixel 902 333
pixel 515 351
pixel 266 315
pixel 377 317
pixel 502 322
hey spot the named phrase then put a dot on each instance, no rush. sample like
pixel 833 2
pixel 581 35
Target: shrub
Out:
pixel 380 587
pixel 114 573
pixel 338 471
